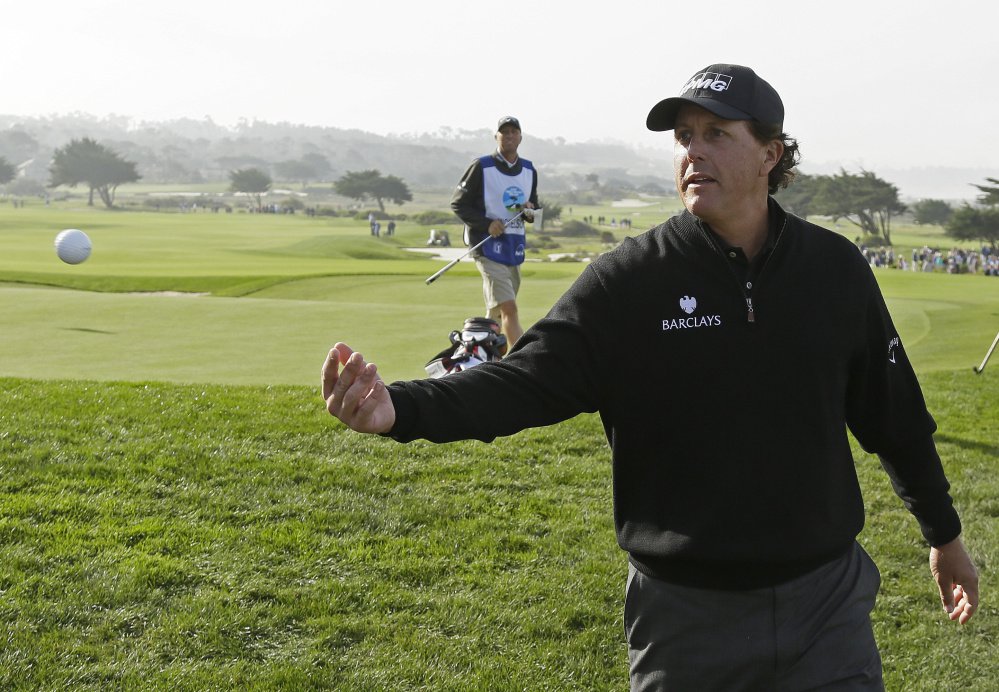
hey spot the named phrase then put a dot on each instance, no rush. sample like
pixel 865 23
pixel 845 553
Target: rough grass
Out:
pixel 212 537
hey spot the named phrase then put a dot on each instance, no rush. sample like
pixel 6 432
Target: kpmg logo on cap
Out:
pixel 708 80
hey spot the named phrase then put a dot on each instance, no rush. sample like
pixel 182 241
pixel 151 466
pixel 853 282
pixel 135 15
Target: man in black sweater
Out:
pixel 763 338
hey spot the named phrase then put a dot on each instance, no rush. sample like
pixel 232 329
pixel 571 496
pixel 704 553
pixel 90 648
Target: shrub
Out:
pixel 26 187
pixel 433 217
pixel 871 240
pixel 167 203
pixel 577 229
pixel 542 242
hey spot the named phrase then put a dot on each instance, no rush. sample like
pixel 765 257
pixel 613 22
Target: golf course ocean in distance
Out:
pixel 177 509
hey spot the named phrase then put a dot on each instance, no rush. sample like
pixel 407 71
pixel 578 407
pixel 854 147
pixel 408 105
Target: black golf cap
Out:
pixel 508 120
pixel 732 92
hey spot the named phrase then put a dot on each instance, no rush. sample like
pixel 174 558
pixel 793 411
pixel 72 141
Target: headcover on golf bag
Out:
pixel 479 341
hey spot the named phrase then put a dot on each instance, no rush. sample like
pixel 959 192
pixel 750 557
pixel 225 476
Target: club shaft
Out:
pixel 431 279
pixel 437 275
pixel 989 354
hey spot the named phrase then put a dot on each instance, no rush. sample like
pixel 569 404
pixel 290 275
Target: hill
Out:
pixel 195 151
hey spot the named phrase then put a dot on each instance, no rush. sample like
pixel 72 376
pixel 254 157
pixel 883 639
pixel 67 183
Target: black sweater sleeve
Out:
pixel 468 203
pixel 553 373
pixel 925 492
pixel 887 414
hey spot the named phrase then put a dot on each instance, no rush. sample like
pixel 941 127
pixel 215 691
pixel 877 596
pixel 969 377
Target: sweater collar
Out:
pixel 776 221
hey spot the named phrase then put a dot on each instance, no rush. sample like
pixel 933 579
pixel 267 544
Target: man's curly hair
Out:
pixel 783 173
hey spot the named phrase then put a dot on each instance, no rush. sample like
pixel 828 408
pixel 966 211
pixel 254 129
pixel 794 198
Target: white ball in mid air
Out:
pixel 72 246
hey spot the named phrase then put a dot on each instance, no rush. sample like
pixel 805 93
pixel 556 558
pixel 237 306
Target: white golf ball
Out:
pixel 72 246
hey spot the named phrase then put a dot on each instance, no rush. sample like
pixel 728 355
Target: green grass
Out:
pixel 211 537
pixel 312 282
pixel 284 288
pixel 177 510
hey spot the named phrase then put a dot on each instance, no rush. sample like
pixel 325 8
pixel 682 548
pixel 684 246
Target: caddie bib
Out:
pixel 505 196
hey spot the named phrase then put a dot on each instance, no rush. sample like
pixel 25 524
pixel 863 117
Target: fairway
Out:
pixel 258 299
pixel 180 512
pixel 235 299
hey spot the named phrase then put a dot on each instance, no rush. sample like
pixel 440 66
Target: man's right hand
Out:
pixel 356 394
pixel 496 228
pixel 957 578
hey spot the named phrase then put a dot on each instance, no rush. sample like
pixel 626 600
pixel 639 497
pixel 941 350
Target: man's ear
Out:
pixel 775 150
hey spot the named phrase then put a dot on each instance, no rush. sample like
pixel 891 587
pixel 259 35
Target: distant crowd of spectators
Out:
pixel 927 259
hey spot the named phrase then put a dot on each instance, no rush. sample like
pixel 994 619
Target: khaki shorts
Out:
pixel 500 283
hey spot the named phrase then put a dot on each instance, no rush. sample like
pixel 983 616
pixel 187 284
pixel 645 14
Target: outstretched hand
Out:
pixel 356 394
pixel 957 579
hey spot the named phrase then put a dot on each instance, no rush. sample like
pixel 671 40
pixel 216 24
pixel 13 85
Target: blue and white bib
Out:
pixel 505 196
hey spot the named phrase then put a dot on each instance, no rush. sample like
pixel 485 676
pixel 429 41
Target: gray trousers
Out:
pixel 811 633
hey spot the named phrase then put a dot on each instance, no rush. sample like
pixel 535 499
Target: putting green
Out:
pixel 274 338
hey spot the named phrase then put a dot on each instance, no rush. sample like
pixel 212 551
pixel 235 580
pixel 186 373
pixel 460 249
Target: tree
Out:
pixel 23 186
pixel 18 146
pixel 320 164
pixel 798 196
pixel 550 210
pixel 975 223
pixel 372 184
pixel 95 165
pixel 251 181
pixel 991 192
pixel 931 211
pixel 295 171
pixel 7 171
pixel 864 200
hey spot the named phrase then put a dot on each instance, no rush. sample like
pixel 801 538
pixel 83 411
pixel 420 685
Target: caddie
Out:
pixel 494 198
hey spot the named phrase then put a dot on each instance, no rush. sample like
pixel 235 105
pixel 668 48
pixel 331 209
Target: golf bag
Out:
pixel 479 341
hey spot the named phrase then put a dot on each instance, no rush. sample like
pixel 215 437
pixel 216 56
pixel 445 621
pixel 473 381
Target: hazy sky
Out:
pixel 866 83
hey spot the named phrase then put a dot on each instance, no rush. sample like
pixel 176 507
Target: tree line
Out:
pixel 186 151
pixel 862 199
pixel 359 185
pixel 870 203
pixel 102 170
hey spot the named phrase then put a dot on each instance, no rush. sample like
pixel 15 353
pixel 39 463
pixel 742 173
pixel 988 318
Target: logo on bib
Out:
pixel 513 199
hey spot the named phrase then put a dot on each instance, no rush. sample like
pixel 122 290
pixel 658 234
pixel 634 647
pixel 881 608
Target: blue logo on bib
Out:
pixel 513 199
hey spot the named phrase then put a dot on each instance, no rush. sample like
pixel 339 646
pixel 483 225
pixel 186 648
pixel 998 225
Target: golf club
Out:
pixel 978 370
pixel 435 276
